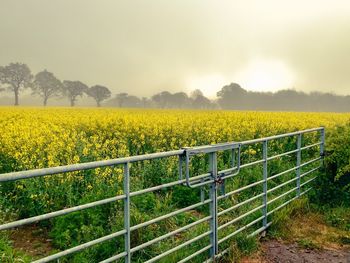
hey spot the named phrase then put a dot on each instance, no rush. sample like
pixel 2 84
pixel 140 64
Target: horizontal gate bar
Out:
pixel 195 254
pixel 160 238
pixel 286 203
pixel 114 258
pixel 155 220
pixel 119 233
pixel 241 229
pixel 281 185
pixel 178 247
pixel 240 217
pixel 244 188
pixel 281 136
pixel 282 154
pixel 284 194
pixel 58 213
pixel 310 146
pixel 258 231
pixel 239 204
pixel 86 206
pixel 169 234
pixel 80 247
pixel 85 166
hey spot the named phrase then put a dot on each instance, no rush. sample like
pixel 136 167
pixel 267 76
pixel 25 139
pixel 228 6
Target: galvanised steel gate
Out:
pixel 215 186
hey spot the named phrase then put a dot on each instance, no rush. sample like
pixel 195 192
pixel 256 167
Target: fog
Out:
pixel 144 47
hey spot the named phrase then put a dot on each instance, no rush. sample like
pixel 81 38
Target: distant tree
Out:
pixel 46 85
pixel 202 102
pixel 145 102
pixel 16 76
pixel 199 101
pixel 162 99
pixel 132 101
pixel 290 99
pixel 231 96
pixel 195 93
pixel 179 100
pixel 125 100
pixel 73 89
pixel 121 98
pixel 99 93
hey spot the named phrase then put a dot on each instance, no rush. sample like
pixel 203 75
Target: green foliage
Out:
pixel 338 217
pixel 333 186
pixel 246 245
pixel 283 218
pixel 240 247
pixel 307 244
pixel 9 255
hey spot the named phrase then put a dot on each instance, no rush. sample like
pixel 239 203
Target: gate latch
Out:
pixel 205 179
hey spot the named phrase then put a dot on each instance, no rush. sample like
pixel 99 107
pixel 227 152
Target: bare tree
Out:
pixel 16 76
pixel 46 85
pixel 73 89
pixel 99 93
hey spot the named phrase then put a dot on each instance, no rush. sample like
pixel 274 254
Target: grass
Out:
pixel 241 247
pixel 10 255
pixel 308 244
pixel 337 216
pixel 311 227
pixel 7 253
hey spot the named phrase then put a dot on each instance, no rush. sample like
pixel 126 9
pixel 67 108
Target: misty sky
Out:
pixel 143 47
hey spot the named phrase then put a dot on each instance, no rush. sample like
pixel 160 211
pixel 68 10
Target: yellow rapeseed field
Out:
pixel 43 137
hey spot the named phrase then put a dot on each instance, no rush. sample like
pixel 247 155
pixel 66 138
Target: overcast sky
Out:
pixel 143 47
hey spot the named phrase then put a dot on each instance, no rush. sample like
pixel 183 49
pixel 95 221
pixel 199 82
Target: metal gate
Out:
pixel 226 163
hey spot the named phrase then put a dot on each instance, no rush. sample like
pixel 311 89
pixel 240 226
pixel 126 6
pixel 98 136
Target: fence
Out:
pixel 216 186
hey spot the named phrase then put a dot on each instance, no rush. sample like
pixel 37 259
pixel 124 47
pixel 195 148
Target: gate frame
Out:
pixel 214 178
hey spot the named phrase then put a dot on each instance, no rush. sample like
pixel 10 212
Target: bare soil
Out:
pixel 308 240
pixel 31 240
pixel 274 251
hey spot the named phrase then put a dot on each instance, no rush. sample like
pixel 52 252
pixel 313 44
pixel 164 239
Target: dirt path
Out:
pixel 31 240
pixel 277 252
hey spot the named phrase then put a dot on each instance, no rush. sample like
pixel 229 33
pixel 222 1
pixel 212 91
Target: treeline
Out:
pixel 164 100
pixel 234 97
pixel 16 77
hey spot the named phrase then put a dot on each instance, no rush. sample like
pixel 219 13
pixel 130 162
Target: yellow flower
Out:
pixel 252 152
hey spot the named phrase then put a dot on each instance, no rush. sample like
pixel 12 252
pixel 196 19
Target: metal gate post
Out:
pixel 213 206
pixel 298 163
pixel 127 212
pixel 265 183
pixel 322 145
